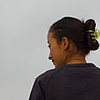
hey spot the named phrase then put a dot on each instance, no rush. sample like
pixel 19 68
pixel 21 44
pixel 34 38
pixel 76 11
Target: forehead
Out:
pixel 50 36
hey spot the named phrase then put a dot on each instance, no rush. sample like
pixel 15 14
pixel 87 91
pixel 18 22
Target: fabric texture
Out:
pixel 68 82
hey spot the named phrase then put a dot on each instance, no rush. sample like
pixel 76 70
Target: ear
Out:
pixel 65 43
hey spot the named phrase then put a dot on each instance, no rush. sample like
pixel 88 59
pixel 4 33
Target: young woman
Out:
pixel 70 40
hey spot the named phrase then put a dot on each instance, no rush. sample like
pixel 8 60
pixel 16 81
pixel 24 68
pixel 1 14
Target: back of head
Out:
pixel 77 31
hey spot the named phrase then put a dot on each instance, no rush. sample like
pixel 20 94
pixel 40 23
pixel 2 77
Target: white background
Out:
pixel 24 26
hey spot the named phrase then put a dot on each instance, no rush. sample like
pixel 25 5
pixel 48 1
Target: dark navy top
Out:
pixel 68 82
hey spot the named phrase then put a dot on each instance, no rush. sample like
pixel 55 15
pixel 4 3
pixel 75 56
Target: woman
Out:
pixel 70 40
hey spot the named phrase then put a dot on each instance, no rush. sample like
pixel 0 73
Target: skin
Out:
pixel 64 52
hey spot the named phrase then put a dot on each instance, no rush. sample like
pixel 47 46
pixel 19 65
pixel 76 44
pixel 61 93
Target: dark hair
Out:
pixel 76 30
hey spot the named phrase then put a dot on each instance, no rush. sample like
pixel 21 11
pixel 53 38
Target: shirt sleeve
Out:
pixel 36 93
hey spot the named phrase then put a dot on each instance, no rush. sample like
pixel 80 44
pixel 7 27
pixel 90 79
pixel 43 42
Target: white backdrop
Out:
pixel 23 40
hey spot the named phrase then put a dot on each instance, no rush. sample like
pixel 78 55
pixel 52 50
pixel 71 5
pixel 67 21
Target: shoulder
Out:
pixel 46 76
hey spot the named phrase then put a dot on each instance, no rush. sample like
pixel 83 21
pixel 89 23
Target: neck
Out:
pixel 76 61
pixel 76 58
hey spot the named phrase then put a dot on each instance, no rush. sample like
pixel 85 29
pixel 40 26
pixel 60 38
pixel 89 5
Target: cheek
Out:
pixel 56 53
pixel 52 52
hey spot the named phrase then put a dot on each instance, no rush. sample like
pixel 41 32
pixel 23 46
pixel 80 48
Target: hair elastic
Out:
pixel 95 34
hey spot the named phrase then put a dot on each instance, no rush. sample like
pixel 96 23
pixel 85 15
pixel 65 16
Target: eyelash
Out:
pixel 49 46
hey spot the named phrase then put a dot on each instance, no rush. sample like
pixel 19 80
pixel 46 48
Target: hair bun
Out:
pixel 90 25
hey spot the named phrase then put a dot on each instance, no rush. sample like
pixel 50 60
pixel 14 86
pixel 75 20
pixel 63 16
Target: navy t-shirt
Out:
pixel 68 82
